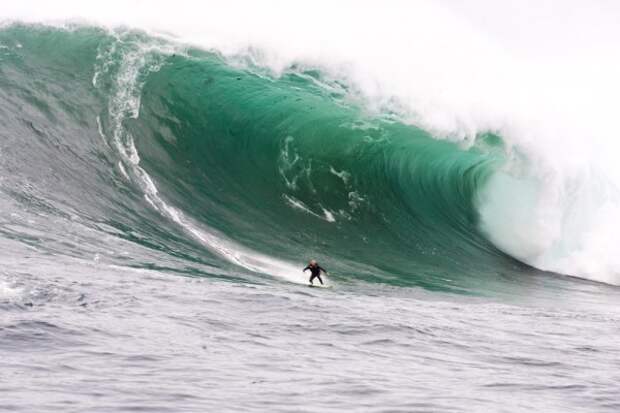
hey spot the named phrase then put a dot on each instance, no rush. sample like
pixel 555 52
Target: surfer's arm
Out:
pixel 323 269
pixel 304 270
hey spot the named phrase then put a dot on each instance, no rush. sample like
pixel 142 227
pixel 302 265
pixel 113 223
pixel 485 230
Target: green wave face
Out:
pixel 290 166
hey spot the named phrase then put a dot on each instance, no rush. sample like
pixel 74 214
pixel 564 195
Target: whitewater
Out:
pixel 167 170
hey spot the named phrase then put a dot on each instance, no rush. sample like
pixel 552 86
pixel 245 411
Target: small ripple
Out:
pixel 587 349
pixel 30 335
pixel 530 362
pixel 379 341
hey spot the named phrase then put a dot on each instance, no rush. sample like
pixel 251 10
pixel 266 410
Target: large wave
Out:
pixel 265 158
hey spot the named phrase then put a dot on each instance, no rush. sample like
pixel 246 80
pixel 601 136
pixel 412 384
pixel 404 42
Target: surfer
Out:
pixel 315 269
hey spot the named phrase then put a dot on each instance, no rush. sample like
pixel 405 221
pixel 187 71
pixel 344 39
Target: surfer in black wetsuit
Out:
pixel 315 269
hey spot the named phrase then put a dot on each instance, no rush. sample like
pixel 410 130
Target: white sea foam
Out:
pixel 326 215
pixel 8 290
pixel 543 75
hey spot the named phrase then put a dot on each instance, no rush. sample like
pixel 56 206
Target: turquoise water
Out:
pixel 159 202
pixel 292 166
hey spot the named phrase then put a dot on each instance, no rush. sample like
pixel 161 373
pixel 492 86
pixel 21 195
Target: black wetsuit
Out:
pixel 316 272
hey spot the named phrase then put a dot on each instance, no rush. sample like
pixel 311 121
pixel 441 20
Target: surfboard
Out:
pixel 319 286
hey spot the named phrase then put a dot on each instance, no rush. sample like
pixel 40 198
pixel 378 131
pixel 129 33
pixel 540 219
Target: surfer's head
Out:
pixel 313 262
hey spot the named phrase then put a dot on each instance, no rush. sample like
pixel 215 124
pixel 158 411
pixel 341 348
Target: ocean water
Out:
pixel 160 198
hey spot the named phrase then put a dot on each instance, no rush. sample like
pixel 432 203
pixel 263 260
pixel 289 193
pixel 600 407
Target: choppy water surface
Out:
pixel 83 336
